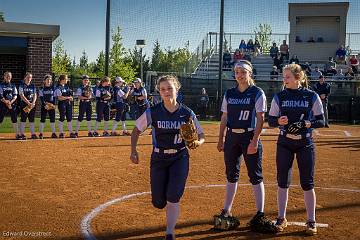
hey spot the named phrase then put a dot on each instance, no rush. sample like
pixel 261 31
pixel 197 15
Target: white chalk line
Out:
pixel 85 225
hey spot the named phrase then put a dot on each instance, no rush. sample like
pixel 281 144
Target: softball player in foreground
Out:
pixel 169 165
pixel 243 111
pixel 296 111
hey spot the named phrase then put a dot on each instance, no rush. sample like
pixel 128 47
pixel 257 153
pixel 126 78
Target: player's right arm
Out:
pixel 140 125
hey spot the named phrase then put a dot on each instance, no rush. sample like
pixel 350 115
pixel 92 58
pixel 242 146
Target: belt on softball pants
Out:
pixel 295 137
pixel 167 151
pixel 240 130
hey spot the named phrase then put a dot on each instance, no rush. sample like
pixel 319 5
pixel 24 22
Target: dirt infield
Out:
pixel 48 188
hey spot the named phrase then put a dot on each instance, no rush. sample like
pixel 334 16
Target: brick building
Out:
pixel 26 47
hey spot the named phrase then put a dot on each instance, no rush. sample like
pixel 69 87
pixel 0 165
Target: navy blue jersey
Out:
pixel 63 90
pixel 28 91
pixel 8 91
pixel 119 93
pixel 102 92
pixel 47 94
pixel 138 92
pixel 165 125
pixel 241 107
pixel 296 104
pixel 94 90
pixel 80 91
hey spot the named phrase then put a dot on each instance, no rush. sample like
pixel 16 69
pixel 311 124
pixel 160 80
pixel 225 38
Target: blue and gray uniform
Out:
pixel 29 92
pixel 119 101
pixel 102 105
pixel 142 105
pixel 8 91
pixel 169 165
pixel 325 89
pixel 64 106
pixel 84 106
pixel 298 104
pixel 47 95
pixel 241 109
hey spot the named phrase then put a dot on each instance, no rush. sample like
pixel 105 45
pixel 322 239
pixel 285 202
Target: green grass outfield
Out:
pixel 6 126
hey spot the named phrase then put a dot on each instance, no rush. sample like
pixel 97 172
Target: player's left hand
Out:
pixel 134 157
pixel 253 146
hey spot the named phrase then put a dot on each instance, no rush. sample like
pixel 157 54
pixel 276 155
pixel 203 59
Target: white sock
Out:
pixel 77 126
pixel 22 128
pixel 310 203
pixel 282 198
pixel 123 125
pixel 41 128
pixel 89 126
pixel 115 124
pixel 15 127
pixel 32 128
pixel 96 126
pixel 230 195
pixel 259 192
pixel 106 125
pixel 172 214
pixel 70 126
pixel 61 126
pixel 52 125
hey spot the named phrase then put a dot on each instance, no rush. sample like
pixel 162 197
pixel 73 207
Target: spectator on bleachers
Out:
pixel 348 52
pixel 257 48
pixel 284 50
pixel 294 59
pixel 330 64
pixel 274 74
pixel 278 62
pixel 323 89
pixel 316 73
pixel 354 63
pixel 339 75
pixel 250 46
pixel 350 74
pixel 340 54
pixel 331 71
pixel 274 50
pixel 307 68
pixel 242 45
pixel 238 55
pixel 311 40
pixel 227 59
pixel 298 39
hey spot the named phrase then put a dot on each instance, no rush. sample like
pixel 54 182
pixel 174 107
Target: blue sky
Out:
pixel 172 22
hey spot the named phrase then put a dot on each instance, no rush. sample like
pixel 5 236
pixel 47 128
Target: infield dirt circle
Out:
pixel 50 186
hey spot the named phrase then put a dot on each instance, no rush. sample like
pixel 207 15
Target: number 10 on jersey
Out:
pixel 244 115
pixel 177 139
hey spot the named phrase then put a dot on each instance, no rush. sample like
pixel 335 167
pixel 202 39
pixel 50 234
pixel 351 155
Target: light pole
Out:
pixel 141 44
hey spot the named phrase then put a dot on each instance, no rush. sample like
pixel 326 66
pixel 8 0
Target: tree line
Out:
pixel 122 62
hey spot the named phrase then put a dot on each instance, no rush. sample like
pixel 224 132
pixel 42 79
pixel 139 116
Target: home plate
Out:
pixel 302 224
